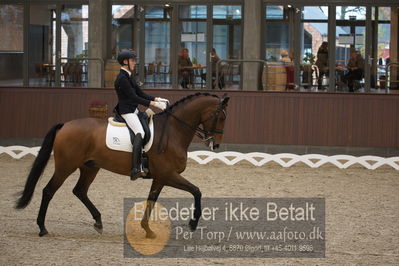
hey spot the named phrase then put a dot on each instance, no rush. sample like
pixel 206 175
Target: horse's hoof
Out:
pixel 150 234
pixel 99 228
pixel 43 232
pixel 193 224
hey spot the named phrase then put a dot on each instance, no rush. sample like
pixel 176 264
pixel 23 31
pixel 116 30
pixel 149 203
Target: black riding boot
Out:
pixel 136 158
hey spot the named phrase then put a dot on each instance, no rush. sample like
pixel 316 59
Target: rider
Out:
pixel 129 97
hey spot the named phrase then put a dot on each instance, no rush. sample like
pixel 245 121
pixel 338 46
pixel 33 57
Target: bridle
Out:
pixel 205 135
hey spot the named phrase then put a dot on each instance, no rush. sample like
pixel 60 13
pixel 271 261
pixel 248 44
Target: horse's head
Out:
pixel 213 120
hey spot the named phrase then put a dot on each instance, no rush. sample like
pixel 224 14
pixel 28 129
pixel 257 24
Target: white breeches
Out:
pixel 133 122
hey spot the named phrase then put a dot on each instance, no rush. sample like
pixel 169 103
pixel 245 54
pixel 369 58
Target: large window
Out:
pixel 382 16
pixel 193 32
pixel 350 12
pixel 51 59
pixel 124 27
pixel 193 42
pixel 298 50
pixel 227 36
pixel 362 44
pixel 11 45
pixel 277 33
pixel 148 29
pixel 157 46
pixel 42 40
pixel 74 44
pixel 314 47
pixel 278 74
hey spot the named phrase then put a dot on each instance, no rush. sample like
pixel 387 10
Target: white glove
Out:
pixel 149 112
pixel 159 99
pixel 160 105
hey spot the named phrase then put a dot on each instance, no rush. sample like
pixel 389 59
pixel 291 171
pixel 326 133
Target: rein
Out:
pixel 203 134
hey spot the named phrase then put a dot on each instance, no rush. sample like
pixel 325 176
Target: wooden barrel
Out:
pixel 112 68
pixel 274 77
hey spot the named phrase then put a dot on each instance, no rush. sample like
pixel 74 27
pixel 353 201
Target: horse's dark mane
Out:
pixel 188 97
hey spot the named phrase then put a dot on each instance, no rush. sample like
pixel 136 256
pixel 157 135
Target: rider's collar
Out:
pixel 130 73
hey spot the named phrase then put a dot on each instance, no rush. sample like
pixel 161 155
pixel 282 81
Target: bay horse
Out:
pixel 81 144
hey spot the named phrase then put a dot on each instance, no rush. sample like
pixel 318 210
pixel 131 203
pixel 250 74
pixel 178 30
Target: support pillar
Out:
pixel 97 40
pixel 394 47
pixel 252 44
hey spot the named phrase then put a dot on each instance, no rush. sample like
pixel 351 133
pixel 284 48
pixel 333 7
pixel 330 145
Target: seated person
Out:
pixel 289 69
pixel 185 73
pixel 355 69
pixel 214 60
pixel 322 63
pixel 284 57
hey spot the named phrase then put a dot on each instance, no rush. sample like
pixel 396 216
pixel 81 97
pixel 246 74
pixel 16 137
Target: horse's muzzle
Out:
pixel 211 144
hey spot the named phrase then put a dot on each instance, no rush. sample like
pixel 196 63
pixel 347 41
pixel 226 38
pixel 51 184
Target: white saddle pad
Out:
pixel 118 137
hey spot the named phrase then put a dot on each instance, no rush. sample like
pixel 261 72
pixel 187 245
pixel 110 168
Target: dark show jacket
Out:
pixel 129 93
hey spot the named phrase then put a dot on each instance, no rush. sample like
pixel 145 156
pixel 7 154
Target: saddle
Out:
pixel 144 120
pixel 118 121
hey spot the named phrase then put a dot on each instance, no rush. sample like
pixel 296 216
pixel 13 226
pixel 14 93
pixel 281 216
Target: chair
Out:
pixel 66 72
pixel 77 71
pixel 186 77
pixel 223 71
pixel 150 71
pixel 289 69
pixel 161 71
pixel 358 84
pixel 84 76
pixel 72 72
pixel 50 74
pixel 40 70
pixel 229 71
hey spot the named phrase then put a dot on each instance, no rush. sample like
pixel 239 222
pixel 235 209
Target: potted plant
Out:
pixel 98 109
pixel 309 58
pixel 307 74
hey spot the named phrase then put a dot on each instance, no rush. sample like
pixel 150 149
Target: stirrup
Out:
pixel 136 173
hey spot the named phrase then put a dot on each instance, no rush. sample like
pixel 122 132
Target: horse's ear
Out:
pixel 224 100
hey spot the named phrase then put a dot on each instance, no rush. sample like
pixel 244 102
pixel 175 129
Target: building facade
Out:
pixel 74 43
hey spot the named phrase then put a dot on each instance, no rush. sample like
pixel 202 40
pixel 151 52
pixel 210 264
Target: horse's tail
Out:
pixel 38 167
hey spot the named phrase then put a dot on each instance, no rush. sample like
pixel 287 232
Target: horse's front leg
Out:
pixel 177 181
pixel 156 188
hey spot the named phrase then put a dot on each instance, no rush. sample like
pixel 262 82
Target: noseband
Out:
pixel 203 134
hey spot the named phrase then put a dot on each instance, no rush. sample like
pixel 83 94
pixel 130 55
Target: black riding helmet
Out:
pixel 126 54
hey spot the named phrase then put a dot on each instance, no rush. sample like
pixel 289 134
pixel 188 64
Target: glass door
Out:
pixel 42 32
pixel 279 48
pixel 314 48
pixel 157 67
pixel 192 48
pixel 74 45
pixel 381 47
pixel 125 32
pixel 277 34
pixel 350 52
pixel 227 35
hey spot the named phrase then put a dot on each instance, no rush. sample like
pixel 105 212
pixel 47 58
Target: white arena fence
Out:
pixel 256 158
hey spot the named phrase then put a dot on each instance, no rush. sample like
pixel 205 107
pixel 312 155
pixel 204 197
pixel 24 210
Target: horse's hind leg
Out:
pixel 49 190
pixel 87 176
